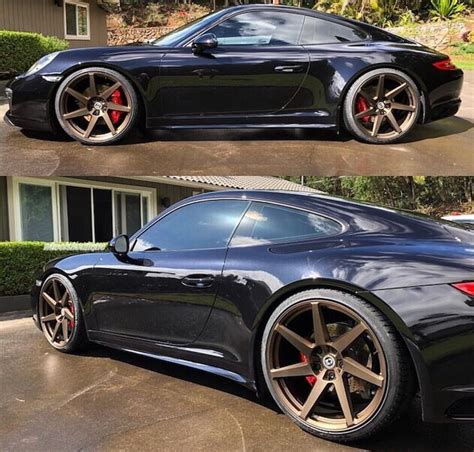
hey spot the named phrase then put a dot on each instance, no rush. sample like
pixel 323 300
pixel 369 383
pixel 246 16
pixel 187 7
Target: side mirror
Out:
pixel 204 42
pixel 119 245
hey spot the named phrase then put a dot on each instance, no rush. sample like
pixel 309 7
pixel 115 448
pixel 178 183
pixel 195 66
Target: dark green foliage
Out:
pixel 437 195
pixel 20 50
pixel 22 262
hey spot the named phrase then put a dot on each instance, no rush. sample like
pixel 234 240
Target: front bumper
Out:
pixel 440 340
pixel 31 103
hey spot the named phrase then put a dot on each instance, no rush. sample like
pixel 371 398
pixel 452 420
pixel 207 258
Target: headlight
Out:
pixel 41 63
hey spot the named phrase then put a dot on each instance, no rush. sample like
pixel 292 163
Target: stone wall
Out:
pixel 128 35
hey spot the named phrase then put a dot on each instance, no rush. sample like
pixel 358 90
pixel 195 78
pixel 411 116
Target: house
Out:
pixel 81 22
pixel 93 209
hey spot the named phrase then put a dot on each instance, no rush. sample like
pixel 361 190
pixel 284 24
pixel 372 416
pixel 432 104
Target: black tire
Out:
pixel 359 130
pixel 78 340
pixel 400 383
pixel 75 132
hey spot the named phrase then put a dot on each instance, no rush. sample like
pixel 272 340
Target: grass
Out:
pixel 462 54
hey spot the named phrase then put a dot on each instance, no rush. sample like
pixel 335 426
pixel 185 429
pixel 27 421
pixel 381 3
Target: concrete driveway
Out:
pixel 441 148
pixel 109 400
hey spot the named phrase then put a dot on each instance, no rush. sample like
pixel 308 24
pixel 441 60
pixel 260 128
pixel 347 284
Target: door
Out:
pixel 165 288
pixel 257 67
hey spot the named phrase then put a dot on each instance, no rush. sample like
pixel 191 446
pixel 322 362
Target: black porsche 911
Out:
pixel 245 66
pixel 342 310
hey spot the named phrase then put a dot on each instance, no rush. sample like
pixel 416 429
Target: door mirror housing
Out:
pixel 120 245
pixel 204 42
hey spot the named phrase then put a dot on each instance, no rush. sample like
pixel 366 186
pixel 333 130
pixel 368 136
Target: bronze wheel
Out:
pixel 96 106
pixel 382 106
pixel 334 364
pixel 57 312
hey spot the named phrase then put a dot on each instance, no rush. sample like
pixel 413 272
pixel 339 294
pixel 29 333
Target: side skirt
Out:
pixel 183 355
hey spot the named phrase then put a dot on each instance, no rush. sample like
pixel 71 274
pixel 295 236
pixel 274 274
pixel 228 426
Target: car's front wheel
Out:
pixel 335 365
pixel 382 106
pixel 96 106
pixel 60 315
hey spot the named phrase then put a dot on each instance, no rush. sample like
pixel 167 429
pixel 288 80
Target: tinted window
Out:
pixel 260 28
pixel 195 226
pixel 264 223
pixel 320 31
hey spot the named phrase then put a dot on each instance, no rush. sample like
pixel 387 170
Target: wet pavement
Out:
pixel 440 148
pixel 109 400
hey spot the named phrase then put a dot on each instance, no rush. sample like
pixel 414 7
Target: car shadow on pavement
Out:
pixel 407 433
pixel 438 129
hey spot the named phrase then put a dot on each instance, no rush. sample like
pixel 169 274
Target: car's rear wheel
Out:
pixel 334 364
pixel 96 106
pixel 60 315
pixel 382 106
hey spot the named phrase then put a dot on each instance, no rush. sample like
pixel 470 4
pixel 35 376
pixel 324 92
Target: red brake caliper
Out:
pixel 116 99
pixel 362 105
pixel 71 322
pixel 311 379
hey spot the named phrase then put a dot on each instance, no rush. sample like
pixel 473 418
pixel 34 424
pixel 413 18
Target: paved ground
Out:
pixel 441 148
pixel 108 400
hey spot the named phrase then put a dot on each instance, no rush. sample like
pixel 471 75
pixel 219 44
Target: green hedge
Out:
pixel 21 262
pixel 20 50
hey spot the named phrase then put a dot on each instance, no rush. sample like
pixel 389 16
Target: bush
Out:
pixel 22 262
pixel 20 50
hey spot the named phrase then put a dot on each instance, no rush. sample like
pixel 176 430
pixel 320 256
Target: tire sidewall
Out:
pixel 123 80
pixel 367 314
pixel 79 330
pixel 351 123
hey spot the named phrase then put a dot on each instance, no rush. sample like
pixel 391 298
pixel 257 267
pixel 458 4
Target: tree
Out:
pixel 429 194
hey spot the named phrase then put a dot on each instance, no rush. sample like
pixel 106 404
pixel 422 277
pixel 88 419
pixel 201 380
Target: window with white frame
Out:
pixel 61 211
pixel 76 20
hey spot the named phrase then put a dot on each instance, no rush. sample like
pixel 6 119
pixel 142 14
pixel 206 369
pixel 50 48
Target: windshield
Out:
pixel 178 35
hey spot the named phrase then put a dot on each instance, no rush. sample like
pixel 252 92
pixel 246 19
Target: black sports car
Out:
pixel 245 66
pixel 341 310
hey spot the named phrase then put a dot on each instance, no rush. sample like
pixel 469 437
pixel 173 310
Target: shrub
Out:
pixel 446 9
pixel 22 262
pixel 20 50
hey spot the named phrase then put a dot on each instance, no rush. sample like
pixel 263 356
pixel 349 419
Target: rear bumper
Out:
pixel 439 336
pixel 444 99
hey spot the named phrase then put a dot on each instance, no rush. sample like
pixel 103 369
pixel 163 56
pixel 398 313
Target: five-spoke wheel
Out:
pixel 382 106
pixel 96 106
pixel 325 365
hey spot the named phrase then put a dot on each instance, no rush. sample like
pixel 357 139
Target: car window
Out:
pixel 260 28
pixel 264 223
pixel 320 31
pixel 201 225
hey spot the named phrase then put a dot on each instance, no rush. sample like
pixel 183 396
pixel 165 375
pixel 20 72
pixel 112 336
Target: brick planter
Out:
pixel 14 303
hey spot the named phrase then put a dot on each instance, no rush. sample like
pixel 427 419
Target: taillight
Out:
pixel 445 65
pixel 466 287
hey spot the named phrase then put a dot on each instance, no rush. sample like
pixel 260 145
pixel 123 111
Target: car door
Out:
pixel 257 67
pixel 164 289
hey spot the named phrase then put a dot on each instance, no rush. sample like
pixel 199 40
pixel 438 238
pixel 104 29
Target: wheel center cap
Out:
pixel 329 362
pixel 98 105
pixel 381 105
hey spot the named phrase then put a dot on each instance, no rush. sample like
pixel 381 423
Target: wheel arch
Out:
pixel 282 294
pixel 418 81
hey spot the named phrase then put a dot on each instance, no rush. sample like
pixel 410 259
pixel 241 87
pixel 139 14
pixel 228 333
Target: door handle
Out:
pixel 205 72
pixel 287 69
pixel 199 281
